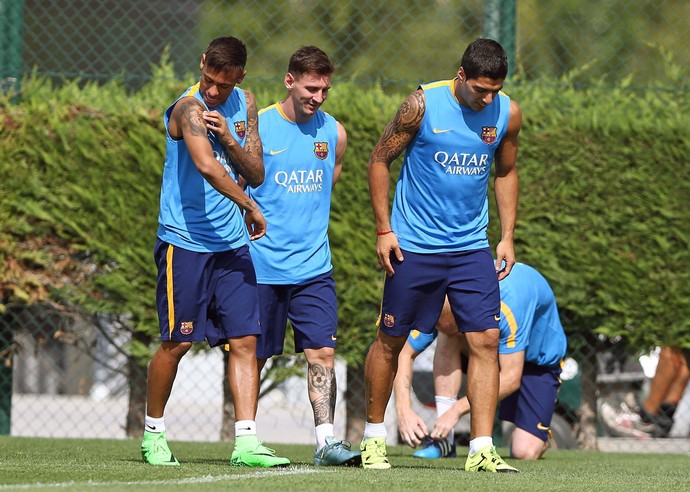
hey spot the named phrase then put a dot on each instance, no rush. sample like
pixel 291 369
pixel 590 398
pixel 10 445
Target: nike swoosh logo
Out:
pixel 497 317
pixel 151 427
pixel 436 130
pixel 541 427
pixel 334 338
pixel 276 152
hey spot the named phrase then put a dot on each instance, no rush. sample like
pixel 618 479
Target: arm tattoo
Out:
pixel 249 205
pixel 322 393
pixel 251 146
pixel 191 116
pixel 401 129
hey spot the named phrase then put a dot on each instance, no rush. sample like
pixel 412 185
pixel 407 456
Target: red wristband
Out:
pixel 383 233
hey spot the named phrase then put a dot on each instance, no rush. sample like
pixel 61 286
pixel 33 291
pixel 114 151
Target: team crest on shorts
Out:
pixel 186 327
pixel 321 150
pixel 388 320
pixel 488 134
pixel 240 129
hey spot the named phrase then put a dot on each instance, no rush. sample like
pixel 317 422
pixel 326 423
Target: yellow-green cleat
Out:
pixel 155 450
pixel 249 451
pixel 488 460
pixel 374 455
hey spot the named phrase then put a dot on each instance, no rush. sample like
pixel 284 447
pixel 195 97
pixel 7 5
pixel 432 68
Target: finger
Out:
pixel 385 263
pixel 398 253
pixel 406 439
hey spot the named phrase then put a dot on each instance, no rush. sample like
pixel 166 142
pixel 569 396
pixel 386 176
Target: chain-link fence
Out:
pixel 405 41
pixel 73 377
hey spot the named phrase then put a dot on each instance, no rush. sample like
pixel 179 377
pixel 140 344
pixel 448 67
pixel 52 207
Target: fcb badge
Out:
pixel 321 150
pixel 488 134
pixel 388 320
pixel 240 129
pixel 186 327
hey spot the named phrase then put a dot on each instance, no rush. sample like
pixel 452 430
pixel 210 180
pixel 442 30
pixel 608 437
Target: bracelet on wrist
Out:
pixel 383 233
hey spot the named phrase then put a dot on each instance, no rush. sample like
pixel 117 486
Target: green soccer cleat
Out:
pixel 254 454
pixel 374 454
pixel 155 450
pixel 337 453
pixel 488 460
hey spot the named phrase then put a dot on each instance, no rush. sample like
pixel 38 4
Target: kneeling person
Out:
pixel 531 347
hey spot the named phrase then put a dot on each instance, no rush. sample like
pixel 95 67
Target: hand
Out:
pixel 505 259
pixel 256 224
pixel 384 245
pixel 217 124
pixel 444 424
pixel 412 428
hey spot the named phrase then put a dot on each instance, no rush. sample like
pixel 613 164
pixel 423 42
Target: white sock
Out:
pixel 480 442
pixel 154 425
pixel 322 431
pixel 245 428
pixel 375 430
pixel 443 403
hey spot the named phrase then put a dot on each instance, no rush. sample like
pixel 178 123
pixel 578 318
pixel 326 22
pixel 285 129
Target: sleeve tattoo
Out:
pixel 401 129
pixel 322 393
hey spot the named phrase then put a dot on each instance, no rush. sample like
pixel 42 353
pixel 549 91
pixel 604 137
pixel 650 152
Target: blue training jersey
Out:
pixel 295 197
pixel 441 201
pixel 194 215
pixel 529 319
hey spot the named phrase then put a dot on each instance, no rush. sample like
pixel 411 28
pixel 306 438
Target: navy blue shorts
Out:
pixel 311 307
pixel 413 297
pixel 531 407
pixel 206 296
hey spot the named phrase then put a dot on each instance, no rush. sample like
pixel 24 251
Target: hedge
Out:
pixel 603 201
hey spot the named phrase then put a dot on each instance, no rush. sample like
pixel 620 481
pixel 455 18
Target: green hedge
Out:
pixel 603 214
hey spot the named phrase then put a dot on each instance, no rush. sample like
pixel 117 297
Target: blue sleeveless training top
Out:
pixel 194 215
pixel 441 202
pixel 295 197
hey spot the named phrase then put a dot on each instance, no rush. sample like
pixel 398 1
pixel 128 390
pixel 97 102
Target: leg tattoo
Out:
pixel 322 393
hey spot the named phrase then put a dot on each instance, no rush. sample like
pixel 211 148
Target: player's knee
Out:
pixel 527 451
pixel 174 350
pixel 324 356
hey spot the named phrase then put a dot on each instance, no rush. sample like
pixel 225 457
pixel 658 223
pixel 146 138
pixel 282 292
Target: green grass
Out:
pixel 113 465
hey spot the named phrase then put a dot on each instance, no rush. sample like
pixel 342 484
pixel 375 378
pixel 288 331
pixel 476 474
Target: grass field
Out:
pixel 113 465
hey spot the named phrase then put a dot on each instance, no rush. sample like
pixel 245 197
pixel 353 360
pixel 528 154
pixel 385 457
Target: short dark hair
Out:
pixel 485 58
pixel 310 59
pixel 225 54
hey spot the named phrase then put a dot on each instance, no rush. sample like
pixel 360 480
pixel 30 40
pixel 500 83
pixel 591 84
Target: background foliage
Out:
pixel 604 190
pixel 396 43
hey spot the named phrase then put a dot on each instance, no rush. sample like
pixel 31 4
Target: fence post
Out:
pixel 6 351
pixel 499 24
pixel 11 28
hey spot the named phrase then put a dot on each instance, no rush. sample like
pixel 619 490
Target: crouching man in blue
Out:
pixel 531 347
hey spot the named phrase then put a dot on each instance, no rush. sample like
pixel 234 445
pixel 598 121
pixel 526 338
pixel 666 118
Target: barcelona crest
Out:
pixel 240 129
pixel 388 320
pixel 186 327
pixel 488 134
pixel 321 150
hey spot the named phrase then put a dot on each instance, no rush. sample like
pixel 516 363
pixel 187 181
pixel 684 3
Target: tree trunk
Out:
pixel 354 401
pixel 227 426
pixel 587 431
pixel 136 412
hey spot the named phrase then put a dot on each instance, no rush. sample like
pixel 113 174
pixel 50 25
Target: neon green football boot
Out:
pixel 249 451
pixel 374 456
pixel 488 460
pixel 155 450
